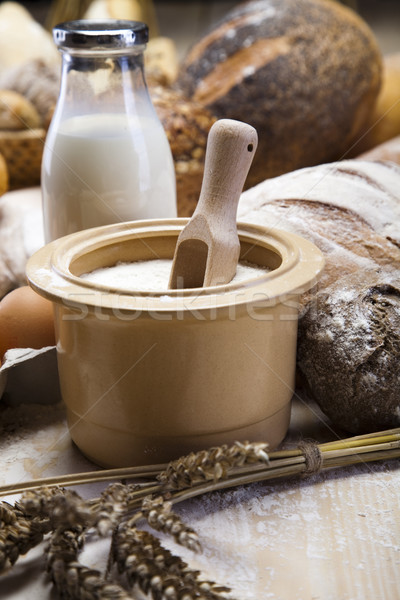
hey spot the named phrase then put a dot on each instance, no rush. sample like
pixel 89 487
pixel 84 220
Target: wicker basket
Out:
pixel 23 152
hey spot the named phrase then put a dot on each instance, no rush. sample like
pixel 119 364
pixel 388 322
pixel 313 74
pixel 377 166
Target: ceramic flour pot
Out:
pixel 147 377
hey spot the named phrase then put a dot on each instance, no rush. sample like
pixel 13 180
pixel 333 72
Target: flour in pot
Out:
pixel 153 275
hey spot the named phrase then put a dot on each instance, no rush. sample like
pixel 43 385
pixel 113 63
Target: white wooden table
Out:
pixel 334 536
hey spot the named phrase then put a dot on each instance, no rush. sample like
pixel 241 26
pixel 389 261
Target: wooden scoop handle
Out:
pixel 207 250
pixel 230 150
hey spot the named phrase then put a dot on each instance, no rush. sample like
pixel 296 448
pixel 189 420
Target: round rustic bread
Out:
pixel 38 82
pixel 304 73
pixel 16 112
pixel 349 350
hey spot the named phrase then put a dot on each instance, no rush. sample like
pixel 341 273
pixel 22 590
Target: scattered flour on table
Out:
pixel 318 530
pixel 18 422
pixel 252 535
pixel 31 439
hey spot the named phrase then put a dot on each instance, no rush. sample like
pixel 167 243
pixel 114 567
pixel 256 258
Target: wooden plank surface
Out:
pixel 335 535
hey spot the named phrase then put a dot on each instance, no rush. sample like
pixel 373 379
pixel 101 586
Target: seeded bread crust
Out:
pixel 186 124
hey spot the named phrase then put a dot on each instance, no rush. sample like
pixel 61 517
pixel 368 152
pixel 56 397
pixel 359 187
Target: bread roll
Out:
pixel 161 61
pixel 16 112
pixel 349 209
pixel 304 73
pixel 115 9
pixel 22 39
pixel 133 10
pixel 38 82
pixel 349 341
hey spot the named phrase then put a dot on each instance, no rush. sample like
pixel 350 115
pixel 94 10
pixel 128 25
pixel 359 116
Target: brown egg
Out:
pixel 26 320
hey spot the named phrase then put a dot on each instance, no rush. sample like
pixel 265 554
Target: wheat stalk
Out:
pixel 211 465
pixel 45 507
pixel 377 446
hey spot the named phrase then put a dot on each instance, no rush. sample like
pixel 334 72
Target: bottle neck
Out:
pixel 99 82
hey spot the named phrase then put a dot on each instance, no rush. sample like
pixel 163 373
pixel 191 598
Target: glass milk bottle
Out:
pixel 106 158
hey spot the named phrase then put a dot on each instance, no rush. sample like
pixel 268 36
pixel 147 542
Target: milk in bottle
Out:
pixel 107 158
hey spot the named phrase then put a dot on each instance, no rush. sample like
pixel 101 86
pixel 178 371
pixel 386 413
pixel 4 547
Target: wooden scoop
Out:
pixel 207 250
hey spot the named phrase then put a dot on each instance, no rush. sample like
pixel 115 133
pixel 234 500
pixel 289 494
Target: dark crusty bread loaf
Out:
pixel 304 73
pixel 349 350
pixel 349 341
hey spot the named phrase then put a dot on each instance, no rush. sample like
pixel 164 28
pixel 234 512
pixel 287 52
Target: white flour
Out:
pixel 153 275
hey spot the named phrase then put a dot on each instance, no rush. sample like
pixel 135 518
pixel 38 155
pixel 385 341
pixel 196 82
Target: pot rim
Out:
pixel 49 270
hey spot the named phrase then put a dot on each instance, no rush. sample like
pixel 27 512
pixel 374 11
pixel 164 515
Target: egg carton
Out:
pixel 29 376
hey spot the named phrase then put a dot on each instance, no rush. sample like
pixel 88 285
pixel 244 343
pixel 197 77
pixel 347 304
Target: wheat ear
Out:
pixel 155 570
pixel 212 464
pixel 18 534
pixel 73 580
pixel 160 516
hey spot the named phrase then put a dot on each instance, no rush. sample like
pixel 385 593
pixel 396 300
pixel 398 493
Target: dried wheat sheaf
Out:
pixel 138 563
